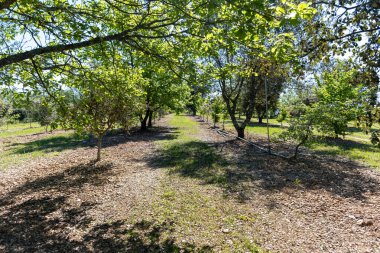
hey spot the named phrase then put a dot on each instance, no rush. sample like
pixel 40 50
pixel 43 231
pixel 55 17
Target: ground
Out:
pixel 181 187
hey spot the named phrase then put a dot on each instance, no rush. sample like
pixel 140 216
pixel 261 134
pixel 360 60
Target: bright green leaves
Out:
pixel 340 100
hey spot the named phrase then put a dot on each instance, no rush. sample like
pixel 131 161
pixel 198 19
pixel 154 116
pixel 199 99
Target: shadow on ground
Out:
pixel 245 171
pixel 73 141
pixel 39 216
pixel 46 214
pixel 337 145
pixel 143 236
pixel 49 144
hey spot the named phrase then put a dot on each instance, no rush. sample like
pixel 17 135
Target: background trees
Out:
pixel 104 64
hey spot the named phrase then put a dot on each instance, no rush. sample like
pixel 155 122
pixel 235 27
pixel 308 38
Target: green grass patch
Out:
pixel 364 152
pixel 20 129
pixel 356 145
pixel 16 153
pixel 192 196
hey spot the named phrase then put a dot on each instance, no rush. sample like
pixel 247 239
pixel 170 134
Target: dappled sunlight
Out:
pixel 240 170
pixel 46 145
pixel 193 159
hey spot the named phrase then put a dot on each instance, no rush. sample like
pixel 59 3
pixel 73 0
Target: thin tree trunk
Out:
pixel 143 120
pixel 150 118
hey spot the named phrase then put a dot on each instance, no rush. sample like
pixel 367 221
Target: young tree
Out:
pixel 300 129
pixel 216 109
pixel 105 98
pixel 282 115
pixel 46 115
pixel 340 101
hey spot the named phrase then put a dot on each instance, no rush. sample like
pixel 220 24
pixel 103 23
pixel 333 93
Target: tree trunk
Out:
pixel 143 126
pixel 99 144
pixel 194 111
pixel 150 118
pixel 240 132
pixel 261 120
pixel 143 120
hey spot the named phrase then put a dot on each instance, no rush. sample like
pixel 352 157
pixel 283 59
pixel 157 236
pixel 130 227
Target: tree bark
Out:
pixel 240 132
pixel 150 117
pixel 260 120
pixel 143 120
pixel 6 4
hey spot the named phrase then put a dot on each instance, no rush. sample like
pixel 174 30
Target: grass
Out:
pixel 355 150
pixel 14 149
pixel 20 129
pixel 356 145
pixel 191 196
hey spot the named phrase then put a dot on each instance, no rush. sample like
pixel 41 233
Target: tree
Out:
pixel 96 94
pixel 163 89
pixel 339 100
pixel 375 135
pixel 103 102
pixel 271 80
pixel 282 115
pixel 216 109
pixel 300 131
pixel 7 113
pixel 236 47
pixel 370 81
pixel 58 27
pixel 343 26
pixel 204 109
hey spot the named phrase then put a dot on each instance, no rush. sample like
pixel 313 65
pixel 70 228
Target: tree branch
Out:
pixel 6 3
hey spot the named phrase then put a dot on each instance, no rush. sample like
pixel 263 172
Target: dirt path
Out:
pixel 68 204
pixel 225 194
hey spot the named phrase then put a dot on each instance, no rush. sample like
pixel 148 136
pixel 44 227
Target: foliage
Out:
pixel 106 95
pixel 271 80
pixel 340 101
pixel 250 42
pixel 300 131
pixel 205 108
pixel 282 116
pixel 343 26
pixel 375 138
pixel 217 107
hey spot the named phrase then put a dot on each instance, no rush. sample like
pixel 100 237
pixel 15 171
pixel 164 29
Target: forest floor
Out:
pixel 181 187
